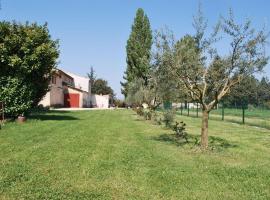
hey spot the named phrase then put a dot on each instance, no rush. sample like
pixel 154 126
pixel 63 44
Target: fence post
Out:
pixel 243 114
pixel 222 112
pixel 188 109
pixel 197 110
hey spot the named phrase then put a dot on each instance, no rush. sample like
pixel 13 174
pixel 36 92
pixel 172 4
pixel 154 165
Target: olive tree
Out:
pixel 209 75
pixel 163 53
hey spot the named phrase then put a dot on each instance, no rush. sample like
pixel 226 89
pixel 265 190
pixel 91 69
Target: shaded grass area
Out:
pixel 53 115
pixel 215 143
pixel 116 155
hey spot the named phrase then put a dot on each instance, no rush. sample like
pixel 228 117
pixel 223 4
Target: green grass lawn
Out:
pixel 115 154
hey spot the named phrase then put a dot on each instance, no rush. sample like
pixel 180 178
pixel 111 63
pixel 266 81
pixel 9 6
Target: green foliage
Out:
pixel 244 93
pixel 250 91
pixel 156 118
pixel 162 62
pixel 139 111
pixel 147 113
pixel 266 104
pixel 263 92
pixel 208 75
pixel 138 93
pixel 101 86
pixel 119 103
pixel 168 117
pixel 138 50
pixel 180 130
pixel 28 56
pixel 16 96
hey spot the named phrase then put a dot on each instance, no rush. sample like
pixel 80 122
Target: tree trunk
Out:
pixel 204 131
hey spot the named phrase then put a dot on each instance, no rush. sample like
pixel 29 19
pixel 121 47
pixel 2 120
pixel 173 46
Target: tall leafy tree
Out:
pixel 138 50
pixel 28 56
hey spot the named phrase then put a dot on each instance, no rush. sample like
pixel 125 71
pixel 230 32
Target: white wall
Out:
pixel 80 82
pixel 100 101
pixel 191 105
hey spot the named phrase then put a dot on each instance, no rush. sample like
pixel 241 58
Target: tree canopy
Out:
pixel 138 50
pixel 208 75
pixel 101 86
pixel 28 55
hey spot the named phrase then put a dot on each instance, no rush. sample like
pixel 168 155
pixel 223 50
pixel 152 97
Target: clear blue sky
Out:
pixel 94 32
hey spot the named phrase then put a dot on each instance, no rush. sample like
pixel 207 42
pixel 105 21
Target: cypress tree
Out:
pixel 138 50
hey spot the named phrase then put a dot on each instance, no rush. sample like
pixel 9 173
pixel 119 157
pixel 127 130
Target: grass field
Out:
pixel 117 155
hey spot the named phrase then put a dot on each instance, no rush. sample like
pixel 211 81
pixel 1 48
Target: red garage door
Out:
pixel 72 100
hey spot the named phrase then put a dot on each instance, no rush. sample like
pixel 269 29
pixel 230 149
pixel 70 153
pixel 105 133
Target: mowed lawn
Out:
pixel 115 154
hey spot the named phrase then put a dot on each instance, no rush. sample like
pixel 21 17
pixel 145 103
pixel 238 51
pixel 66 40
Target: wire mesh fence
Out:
pixel 259 117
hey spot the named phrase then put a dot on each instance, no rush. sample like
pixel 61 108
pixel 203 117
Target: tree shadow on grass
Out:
pixel 215 143
pixel 53 115
pixel 140 119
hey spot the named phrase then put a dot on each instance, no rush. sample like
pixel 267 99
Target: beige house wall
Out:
pixel 57 96
pixel 46 101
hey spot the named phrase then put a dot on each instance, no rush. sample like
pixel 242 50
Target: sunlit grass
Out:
pixel 117 155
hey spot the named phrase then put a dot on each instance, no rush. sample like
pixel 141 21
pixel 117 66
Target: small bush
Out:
pixel 155 117
pixel 180 130
pixel 168 117
pixel 119 103
pixel 147 113
pixel 139 111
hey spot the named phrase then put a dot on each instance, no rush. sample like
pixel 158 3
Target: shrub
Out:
pixel 119 103
pixel 139 111
pixel 16 95
pixel 147 113
pixel 180 130
pixel 168 117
